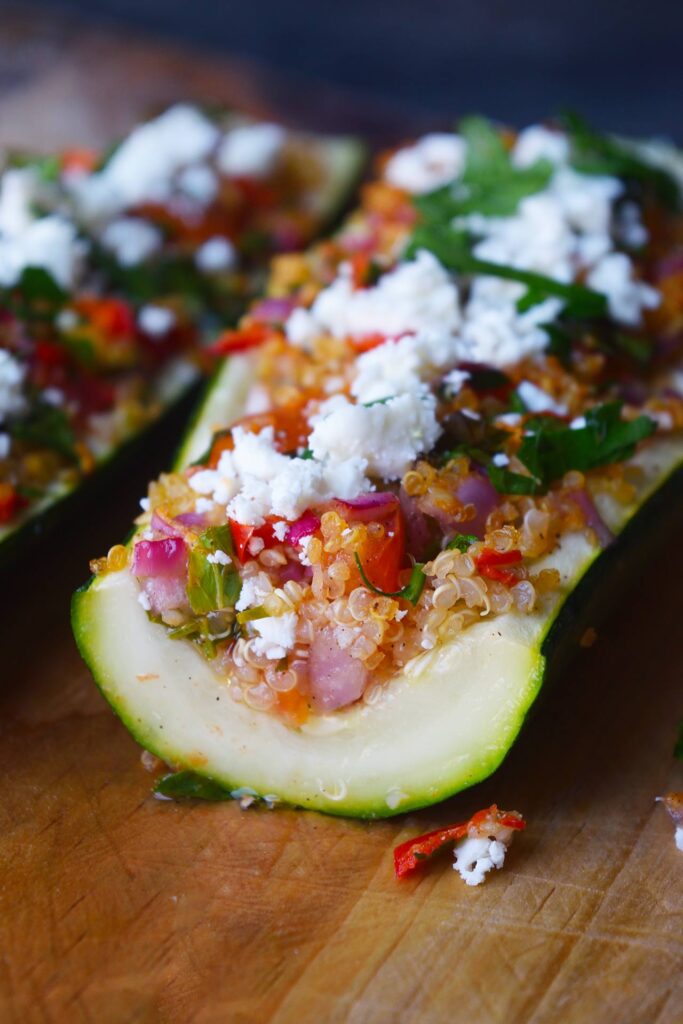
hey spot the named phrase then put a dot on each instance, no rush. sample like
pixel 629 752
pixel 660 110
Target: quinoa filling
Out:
pixel 441 393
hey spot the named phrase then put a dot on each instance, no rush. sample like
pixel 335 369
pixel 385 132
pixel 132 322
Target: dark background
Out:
pixel 620 62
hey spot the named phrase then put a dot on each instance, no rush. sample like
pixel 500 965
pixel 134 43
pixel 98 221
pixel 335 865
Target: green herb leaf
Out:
pixel 306 454
pixel 412 590
pixel 593 153
pixel 490 185
pixel 188 785
pixel 453 248
pixel 47 426
pixel 37 285
pixel 210 586
pixel 550 449
pixel 462 541
pixel 217 538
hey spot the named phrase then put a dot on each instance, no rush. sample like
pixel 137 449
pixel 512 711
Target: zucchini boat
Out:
pixel 116 272
pixel 346 594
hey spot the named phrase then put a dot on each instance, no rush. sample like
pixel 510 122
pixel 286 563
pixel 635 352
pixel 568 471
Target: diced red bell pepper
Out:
pixel 383 558
pixel 242 534
pixel 413 853
pixel 366 342
pixel 78 159
pixel 489 563
pixel 10 502
pixel 242 339
pixel 112 318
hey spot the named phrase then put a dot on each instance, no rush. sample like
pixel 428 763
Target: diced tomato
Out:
pixel 410 855
pixel 242 339
pixel 78 159
pixel 242 534
pixel 366 342
pixel 384 557
pixel 490 564
pixel 10 502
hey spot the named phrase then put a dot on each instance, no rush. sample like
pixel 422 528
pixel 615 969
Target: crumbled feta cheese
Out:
pixel 630 229
pixel 216 254
pixel 276 635
pixel 218 558
pixel 143 167
pixel 578 423
pixel 403 365
pixel 538 400
pixel 280 530
pixel 509 419
pixel 145 504
pixel 5 445
pixel 417 295
pixel 434 160
pixel 53 396
pixel 156 321
pixel 678 837
pixel 131 240
pixel 538 143
pixel 202 505
pixel 12 374
pixel 18 192
pixel 500 459
pixel 50 243
pixel 254 591
pixel 251 151
pixel 256 546
pixel 255 480
pixel 144 600
pixel 627 297
pixel 475 857
pixel 66 320
pixel 495 333
pixel 387 436
pixel 454 382
pixel 199 182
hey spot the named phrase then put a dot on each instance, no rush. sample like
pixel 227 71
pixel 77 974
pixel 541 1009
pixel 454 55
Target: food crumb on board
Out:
pixel 588 637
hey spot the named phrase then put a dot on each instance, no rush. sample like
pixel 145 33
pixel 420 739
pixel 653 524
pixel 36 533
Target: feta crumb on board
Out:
pixel 434 160
pixel 474 857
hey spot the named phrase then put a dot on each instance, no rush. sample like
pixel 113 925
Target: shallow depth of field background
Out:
pixel 621 61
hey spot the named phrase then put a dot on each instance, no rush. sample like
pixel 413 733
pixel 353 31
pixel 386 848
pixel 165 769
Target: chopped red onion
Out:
pixel 304 526
pixel 166 557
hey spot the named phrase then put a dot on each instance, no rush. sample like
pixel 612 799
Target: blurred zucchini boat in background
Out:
pixel 346 594
pixel 117 272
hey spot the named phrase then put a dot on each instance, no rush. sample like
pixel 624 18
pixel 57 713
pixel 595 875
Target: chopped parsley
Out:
pixel 462 542
pixel 212 586
pixel 550 448
pixel 190 786
pixel 490 185
pixel 48 427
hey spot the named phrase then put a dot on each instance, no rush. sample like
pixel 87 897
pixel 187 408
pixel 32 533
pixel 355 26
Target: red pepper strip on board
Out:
pixel 489 564
pixel 410 855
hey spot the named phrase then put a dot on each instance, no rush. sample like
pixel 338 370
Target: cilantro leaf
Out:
pixel 189 785
pixel 593 153
pixel 550 449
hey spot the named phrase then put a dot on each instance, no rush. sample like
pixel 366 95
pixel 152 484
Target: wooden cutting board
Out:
pixel 117 908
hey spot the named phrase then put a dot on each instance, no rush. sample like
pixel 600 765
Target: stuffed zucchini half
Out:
pixel 119 272
pixel 346 593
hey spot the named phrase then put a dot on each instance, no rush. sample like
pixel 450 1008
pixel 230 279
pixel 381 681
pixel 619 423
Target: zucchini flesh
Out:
pixel 348 763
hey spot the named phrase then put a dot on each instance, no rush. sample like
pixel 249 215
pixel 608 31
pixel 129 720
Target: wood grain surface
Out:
pixel 117 908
